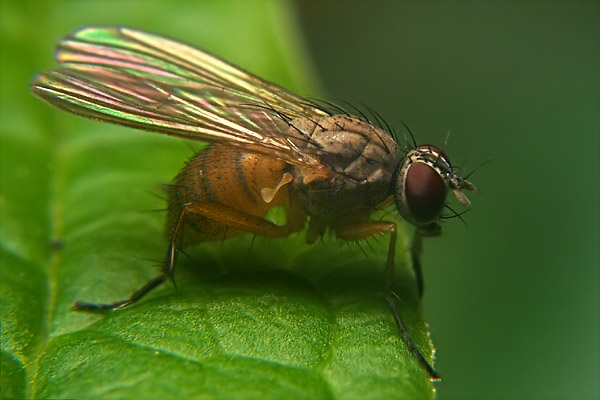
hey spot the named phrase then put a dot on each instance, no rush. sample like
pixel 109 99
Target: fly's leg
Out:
pixel 224 215
pixel 415 251
pixel 98 307
pixel 148 287
pixel 239 220
pixel 364 230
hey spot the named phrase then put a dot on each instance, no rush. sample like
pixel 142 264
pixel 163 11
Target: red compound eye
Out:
pixel 425 193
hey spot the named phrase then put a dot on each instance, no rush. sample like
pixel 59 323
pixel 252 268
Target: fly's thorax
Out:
pixel 359 161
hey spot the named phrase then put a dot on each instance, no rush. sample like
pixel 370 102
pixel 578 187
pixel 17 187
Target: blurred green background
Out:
pixel 511 298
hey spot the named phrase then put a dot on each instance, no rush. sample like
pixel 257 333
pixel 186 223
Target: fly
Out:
pixel 269 148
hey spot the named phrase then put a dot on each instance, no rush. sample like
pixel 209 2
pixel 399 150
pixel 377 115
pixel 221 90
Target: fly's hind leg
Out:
pixel 228 217
pixel 148 287
pixel 364 230
pixel 141 292
pixel 219 213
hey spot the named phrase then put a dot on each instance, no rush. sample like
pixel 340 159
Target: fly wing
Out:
pixel 149 82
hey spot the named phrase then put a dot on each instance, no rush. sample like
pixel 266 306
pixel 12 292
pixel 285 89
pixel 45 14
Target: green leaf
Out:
pixel 250 318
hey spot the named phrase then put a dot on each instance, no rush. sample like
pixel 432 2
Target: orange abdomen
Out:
pixel 227 177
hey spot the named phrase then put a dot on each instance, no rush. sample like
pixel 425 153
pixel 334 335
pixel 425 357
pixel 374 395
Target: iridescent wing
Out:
pixel 146 81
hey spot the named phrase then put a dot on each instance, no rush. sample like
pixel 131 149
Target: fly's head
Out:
pixel 422 183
